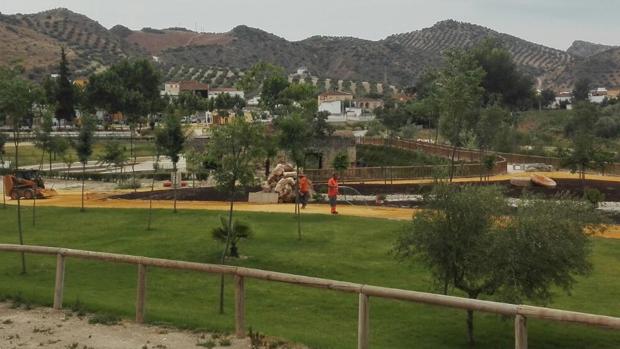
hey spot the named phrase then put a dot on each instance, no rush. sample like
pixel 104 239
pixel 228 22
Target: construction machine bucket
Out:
pixel 8 185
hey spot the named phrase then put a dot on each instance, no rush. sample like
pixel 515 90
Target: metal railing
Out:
pixel 520 312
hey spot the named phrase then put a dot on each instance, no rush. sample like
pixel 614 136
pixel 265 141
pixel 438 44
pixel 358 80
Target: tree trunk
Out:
pixel 228 236
pixel 19 206
pixel 133 160
pixel 50 161
pixel 452 163
pixel 297 208
pixel 34 206
pixel 83 176
pixel 174 185
pixel 148 227
pixel 470 327
pixel 481 164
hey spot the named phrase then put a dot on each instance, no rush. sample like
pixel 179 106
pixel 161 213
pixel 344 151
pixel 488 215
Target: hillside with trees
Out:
pixel 31 40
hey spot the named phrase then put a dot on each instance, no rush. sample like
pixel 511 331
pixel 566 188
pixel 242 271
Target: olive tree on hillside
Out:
pixel 469 243
pixel 84 147
pixel 235 148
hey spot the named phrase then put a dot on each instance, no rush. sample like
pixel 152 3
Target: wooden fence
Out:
pixel 463 154
pixel 520 312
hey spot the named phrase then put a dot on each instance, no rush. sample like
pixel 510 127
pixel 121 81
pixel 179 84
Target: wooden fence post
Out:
pixel 60 281
pixel 363 324
pixel 141 293
pixel 520 332
pixel 239 307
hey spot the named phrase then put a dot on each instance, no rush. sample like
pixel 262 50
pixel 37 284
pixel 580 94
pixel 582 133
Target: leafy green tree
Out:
pixel 170 138
pixel 459 96
pixel 253 80
pixel 3 139
pixel 468 243
pixel 236 148
pixel 43 138
pixel 129 87
pixel 17 98
pixel 65 94
pixel 114 154
pixel 84 147
pixel 581 91
pixel 295 137
pixel 237 232
pixel 545 98
pixel 486 130
pixel 271 91
pixel 341 162
pixel 502 81
pixel 587 150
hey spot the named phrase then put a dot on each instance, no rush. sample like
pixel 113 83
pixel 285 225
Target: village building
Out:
pixel 233 92
pixel 175 88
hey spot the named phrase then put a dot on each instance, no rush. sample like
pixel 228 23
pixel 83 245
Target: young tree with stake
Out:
pixel 84 147
pixel 236 148
pixel 170 139
pixel 17 98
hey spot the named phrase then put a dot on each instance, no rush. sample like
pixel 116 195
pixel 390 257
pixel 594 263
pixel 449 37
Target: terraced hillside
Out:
pixel 542 62
pixel 345 63
pixel 90 45
pixel 587 49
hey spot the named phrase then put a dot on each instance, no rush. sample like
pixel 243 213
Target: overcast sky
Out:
pixel 555 23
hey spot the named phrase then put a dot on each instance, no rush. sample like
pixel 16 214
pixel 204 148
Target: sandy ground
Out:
pixel 46 328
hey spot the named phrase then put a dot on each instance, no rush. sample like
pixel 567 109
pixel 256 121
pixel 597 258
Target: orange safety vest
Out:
pixel 304 186
pixel 332 187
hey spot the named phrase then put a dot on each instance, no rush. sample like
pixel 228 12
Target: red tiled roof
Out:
pixel 190 85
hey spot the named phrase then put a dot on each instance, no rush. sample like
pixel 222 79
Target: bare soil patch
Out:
pixel 46 328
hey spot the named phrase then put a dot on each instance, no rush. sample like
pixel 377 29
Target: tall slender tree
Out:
pixel 84 147
pixel 65 98
pixel 171 139
pixel 236 148
pixel 17 97
pixel 459 95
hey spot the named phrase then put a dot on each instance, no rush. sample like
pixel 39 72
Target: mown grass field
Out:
pixel 342 248
pixel 30 155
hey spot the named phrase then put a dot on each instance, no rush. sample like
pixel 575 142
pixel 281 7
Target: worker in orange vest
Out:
pixel 304 190
pixel 332 192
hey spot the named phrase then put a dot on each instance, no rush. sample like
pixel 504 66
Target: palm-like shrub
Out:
pixel 239 231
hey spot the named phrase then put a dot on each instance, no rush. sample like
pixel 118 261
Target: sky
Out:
pixel 555 23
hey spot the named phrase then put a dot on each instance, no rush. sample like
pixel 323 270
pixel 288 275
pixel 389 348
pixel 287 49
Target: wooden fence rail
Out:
pixel 520 312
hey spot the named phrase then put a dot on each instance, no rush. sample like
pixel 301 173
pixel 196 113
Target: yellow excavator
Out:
pixel 26 184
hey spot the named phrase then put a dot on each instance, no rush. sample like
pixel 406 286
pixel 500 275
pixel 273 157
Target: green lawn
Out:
pixel 342 248
pixel 29 155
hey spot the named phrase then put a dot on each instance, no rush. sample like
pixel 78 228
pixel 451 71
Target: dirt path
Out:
pixel 46 328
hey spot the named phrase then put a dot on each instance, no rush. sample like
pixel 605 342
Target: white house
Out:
pixel 214 92
pixel 332 107
pixel 302 71
pixel 561 98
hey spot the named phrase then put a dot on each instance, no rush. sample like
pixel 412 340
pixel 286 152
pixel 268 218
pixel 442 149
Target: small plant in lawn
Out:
pixel 104 319
pixel 208 344
pixel 237 232
pixel 78 308
pixel 225 342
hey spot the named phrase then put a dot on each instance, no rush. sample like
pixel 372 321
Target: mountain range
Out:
pixel 34 41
